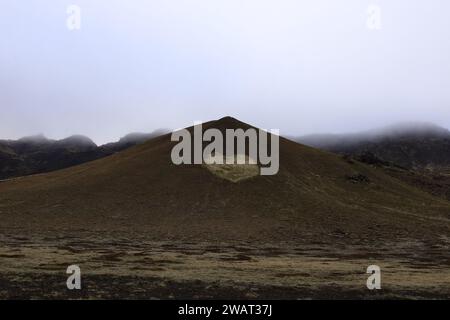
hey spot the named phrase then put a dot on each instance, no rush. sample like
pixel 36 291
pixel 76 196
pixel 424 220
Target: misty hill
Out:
pixel 37 154
pixel 316 196
pixel 409 145
pixel 133 139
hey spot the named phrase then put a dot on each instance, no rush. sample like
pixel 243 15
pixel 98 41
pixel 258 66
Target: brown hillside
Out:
pixel 315 196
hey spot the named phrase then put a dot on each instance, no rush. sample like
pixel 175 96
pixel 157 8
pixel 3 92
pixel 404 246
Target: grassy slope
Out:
pixel 140 190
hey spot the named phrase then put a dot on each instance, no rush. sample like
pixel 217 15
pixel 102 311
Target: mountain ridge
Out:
pixel 413 145
pixel 38 154
pixel 316 196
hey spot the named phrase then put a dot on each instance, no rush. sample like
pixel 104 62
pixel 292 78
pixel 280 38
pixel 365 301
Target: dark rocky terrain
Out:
pixel 415 153
pixel 410 145
pixel 37 154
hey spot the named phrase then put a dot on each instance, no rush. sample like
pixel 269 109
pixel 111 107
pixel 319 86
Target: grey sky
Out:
pixel 300 66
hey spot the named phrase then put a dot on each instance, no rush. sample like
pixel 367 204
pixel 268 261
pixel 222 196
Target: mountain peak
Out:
pixel 78 140
pixel 416 128
pixel 38 138
pixel 228 118
pixel 227 123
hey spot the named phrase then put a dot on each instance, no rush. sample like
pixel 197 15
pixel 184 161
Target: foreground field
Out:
pixel 129 266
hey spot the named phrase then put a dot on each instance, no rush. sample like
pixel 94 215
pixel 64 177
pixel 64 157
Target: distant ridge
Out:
pixel 39 138
pixel 38 154
pixel 416 145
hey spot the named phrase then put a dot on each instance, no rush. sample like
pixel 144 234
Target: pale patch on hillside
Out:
pixel 243 168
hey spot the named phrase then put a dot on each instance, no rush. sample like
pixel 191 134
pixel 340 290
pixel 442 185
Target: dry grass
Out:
pixel 241 168
pixel 246 269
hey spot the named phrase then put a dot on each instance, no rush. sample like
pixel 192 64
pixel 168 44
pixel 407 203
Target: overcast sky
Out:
pixel 300 66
